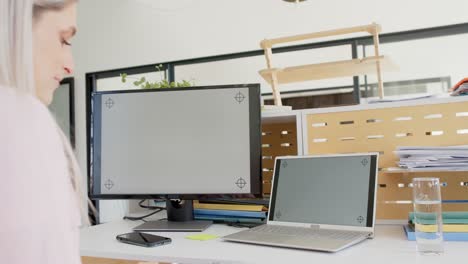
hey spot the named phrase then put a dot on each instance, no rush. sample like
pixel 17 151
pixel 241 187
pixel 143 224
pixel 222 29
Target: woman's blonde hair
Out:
pixel 17 18
pixel 16 63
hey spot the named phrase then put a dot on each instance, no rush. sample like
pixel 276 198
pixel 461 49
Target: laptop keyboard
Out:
pixel 307 232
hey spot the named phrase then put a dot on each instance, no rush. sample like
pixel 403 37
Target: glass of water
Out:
pixel 427 203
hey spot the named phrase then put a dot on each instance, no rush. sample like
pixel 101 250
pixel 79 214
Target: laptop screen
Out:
pixel 331 190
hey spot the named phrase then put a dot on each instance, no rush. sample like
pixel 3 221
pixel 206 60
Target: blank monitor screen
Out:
pixel 334 190
pixel 176 142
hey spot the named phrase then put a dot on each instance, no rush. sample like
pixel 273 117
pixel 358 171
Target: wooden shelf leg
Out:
pixel 379 71
pixel 276 93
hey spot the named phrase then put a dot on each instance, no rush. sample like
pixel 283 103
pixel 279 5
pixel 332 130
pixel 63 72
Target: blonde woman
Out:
pixel 39 178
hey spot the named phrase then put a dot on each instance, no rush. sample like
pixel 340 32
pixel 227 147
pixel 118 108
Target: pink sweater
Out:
pixel 39 216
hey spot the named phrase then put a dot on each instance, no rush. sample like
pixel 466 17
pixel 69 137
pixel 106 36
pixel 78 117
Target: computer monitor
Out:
pixel 176 143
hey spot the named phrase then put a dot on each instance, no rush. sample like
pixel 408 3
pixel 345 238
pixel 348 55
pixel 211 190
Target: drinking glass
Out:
pixel 427 203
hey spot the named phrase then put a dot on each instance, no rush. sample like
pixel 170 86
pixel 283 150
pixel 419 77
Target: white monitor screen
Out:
pixel 190 141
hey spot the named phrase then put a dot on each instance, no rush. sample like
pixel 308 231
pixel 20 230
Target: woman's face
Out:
pixel 52 34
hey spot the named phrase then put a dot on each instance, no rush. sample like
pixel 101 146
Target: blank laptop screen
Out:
pixel 333 190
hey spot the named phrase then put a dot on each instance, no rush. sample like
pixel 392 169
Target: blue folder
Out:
pixel 230 213
pixel 225 219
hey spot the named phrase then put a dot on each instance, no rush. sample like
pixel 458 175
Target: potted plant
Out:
pixel 164 83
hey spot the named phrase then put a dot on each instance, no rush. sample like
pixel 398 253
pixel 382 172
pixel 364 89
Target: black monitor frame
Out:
pixel 69 128
pixel 255 148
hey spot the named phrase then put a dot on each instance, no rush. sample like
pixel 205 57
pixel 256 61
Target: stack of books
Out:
pixel 455 225
pixel 230 213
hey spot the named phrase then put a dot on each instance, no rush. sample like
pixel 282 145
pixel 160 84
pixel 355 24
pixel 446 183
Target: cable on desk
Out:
pixel 141 217
pixel 150 207
pixel 156 208
pixel 242 225
pixel 237 224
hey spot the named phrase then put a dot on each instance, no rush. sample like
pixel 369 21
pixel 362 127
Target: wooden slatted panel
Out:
pixel 276 142
pixel 382 130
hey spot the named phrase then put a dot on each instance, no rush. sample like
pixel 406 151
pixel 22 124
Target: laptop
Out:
pixel 324 202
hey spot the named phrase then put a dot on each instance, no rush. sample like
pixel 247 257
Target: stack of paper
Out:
pixel 403 98
pixel 452 158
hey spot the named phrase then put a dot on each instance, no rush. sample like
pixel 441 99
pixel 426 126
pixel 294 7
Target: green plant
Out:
pixel 164 83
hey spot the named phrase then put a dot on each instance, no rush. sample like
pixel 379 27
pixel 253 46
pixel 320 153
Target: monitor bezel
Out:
pixel 255 148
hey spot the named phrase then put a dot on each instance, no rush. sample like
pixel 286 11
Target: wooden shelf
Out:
pixel 354 67
pixel 327 70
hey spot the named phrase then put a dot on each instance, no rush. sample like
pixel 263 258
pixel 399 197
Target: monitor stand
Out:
pixel 179 219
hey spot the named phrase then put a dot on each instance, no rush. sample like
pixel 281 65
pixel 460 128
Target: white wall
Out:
pixel 122 33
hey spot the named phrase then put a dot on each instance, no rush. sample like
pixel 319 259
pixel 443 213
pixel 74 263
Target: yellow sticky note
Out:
pixel 201 237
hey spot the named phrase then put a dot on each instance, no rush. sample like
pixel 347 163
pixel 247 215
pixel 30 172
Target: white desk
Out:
pixel 389 246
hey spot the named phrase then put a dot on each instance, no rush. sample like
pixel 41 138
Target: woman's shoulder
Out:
pixel 32 160
pixel 28 129
pixel 24 112
pixel 35 190
pixel 10 99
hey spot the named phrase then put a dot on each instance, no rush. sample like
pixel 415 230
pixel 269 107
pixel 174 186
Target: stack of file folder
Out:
pixel 230 213
pixel 455 225
pixel 452 158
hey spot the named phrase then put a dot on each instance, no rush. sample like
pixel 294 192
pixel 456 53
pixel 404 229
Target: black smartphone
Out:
pixel 143 239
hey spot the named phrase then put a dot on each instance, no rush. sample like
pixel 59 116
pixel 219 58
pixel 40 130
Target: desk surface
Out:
pixel 388 246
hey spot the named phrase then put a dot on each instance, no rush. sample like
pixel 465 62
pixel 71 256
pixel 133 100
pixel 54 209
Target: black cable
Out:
pixel 156 208
pixel 141 217
pixel 242 225
pixel 149 207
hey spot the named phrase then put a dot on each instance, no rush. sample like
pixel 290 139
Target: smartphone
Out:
pixel 143 239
